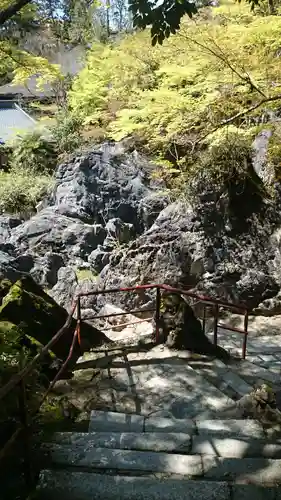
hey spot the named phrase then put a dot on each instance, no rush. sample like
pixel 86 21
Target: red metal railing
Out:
pixel 215 304
pixel 19 380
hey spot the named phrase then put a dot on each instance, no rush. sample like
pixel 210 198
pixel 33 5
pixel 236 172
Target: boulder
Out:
pixel 50 231
pixel 102 198
pixel 106 182
pixel 37 316
pixel 221 244
pixel 98 258
pixel 259 158
pixel 64 290
pixel 118 232
pixel 7 267
pixel 7 223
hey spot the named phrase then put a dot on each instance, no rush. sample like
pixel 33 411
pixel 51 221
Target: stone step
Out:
pixel 246 428
pixel 125 460
pixel 221 376
pixel 235 447
pixel 254 470
pixel 103 421
pixel 254 374
pixel 109 421
pixel 87 486
pixel 161 441
pixel 228 447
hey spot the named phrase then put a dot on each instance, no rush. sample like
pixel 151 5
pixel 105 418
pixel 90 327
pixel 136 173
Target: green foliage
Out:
pixel 164 19
pixel 67 131
pixel 21 191
pixel 170 98
pixel 228 156
pixel 22 65
pixel 33 153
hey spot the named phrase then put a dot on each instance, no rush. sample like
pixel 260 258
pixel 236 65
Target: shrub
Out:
pixel 228 154
pixel 21 191
pixel 67 132
pixel 33 153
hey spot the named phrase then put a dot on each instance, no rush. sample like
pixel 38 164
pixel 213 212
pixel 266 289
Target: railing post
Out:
pixel 204 318
pixel 157 314
pixel 246 320
pixel 28 475
pixel 79 320
pixel 216 317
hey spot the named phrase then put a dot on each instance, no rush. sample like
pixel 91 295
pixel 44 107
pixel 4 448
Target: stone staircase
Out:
pixel 131 456
pixel 170 437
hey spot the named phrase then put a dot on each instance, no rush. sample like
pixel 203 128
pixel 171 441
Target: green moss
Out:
pixel 14 294
pixel 85 274
pixel 274 152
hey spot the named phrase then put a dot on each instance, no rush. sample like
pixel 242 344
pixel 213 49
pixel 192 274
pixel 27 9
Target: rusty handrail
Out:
pixel 201 298
pixel 20 379
pixel 15 380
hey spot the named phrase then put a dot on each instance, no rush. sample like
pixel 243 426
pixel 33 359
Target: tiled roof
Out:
pixel 13 121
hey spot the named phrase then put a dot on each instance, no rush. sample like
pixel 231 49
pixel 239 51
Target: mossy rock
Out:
pixel 26 308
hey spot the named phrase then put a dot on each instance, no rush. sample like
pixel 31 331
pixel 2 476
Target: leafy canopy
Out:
pixel 16 63
pixel 172 96
pixel 164 17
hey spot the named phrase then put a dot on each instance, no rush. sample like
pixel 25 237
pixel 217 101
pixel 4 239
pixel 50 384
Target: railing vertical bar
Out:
pixel 216 317
pixel 157 314
pixel 27 465
pixel 204 319
pixel 246 321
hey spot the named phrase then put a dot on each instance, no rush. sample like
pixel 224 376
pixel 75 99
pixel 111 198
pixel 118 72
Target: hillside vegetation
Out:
pixel 194 103
pixel 199 87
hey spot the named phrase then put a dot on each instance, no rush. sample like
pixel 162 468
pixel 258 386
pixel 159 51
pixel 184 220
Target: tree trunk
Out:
pixel 181 329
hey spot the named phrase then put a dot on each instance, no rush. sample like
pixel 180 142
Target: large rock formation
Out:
pixel 102 199
pixel 107 215
pixel 222 243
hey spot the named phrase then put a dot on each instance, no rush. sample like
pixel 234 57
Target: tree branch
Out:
pixel 238 115
pixel 11 10
pixel 220 55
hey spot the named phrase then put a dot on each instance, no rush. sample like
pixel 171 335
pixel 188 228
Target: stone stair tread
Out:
pixel 117 421
pixel 113 421
pixel 230 427
pixel 221 375
pixel 257 470
pixel 252 373
pixel 87 486
pixel 126 460
pixel 221 446
pixel 161 441
pixel 122 422
pixel 235 447
pixel 164 424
